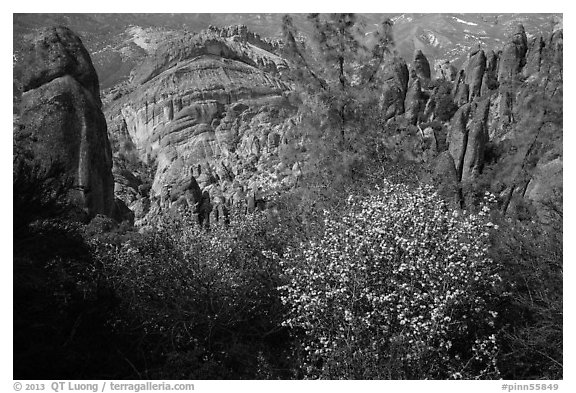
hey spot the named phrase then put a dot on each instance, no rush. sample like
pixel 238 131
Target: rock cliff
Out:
pixel 212 102
pixel 61 117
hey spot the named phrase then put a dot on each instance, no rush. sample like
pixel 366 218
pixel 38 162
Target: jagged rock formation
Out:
pixel 496 106
pixel 208 43
pixel 513 55
pixel 215 106
pixel 61 117
pixel 445 177
pixel 462 94
pixel 212 107
pixel 242 34
pixel 475 72
pixel 415 100
pixel 395 77
pixel 473 160
pixel 421 65
pixel 458 137
pixel 447 71
pixel 490 78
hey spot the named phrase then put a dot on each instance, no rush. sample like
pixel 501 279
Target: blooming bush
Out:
pixel 399 286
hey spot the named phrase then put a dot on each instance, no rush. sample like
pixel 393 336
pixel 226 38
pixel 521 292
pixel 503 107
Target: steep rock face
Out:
pixel 208 43
pixel 476 144
pixel 460 80
pixel 462 94
pixel 415 101
pixel 241 33
pixel 447 71
pixel 551 65
pixel 421 65
pixel 395 77
pixel 475 73
pixel 490 78
pixel 58 52
pixel 167 99
pixel 534 56
pixel 513 55
pixel 214 112
pixel 445 177
pixel 458 137
pixel 62 120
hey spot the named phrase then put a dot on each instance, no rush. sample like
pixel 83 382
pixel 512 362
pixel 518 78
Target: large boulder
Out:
pixel 61 117
pixel 57 52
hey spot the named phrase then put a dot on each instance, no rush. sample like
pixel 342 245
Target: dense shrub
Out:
pixel 531 310
pixel 398 287
pixel 40 191
pixel 201 304
pixel 61 307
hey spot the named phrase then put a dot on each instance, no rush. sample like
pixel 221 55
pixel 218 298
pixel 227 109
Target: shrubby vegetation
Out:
pixel 202 304
pixel 399 286
pixel 530 322
pixel 357 272
pixel 393 284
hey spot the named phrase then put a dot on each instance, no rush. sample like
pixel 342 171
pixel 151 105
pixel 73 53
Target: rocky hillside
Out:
pixel 206 108
pixel 117 43
pixel 202 120
pixel 506 129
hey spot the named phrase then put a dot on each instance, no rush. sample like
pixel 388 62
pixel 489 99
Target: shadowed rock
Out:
pixel 476 143
pixel 513 55
pixel 448 71
pixel 490 79
pixel 421 65
pixel 445 177
pixel 458 137
pixel 475 73
pixel 415 101
pixel 534 56
pixel 462 94
pixel 395 76
pixel 62 119
pixel 57 52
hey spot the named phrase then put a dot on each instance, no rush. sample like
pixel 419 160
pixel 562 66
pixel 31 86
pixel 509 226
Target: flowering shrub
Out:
pixel 399 286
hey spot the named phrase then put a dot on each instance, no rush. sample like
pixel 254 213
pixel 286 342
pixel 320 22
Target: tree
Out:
pixel 338 72
pixel 335 77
